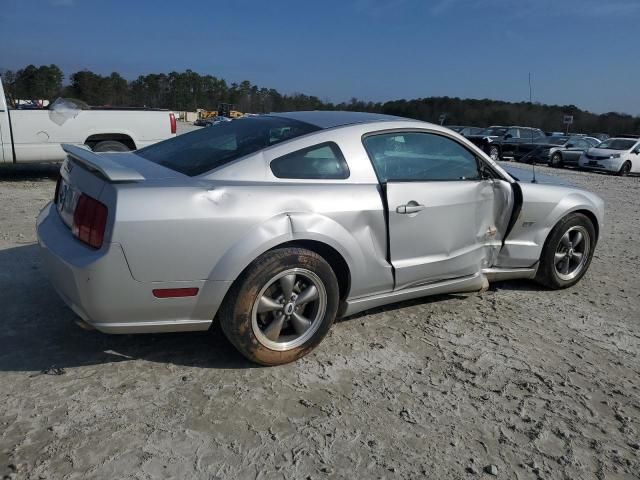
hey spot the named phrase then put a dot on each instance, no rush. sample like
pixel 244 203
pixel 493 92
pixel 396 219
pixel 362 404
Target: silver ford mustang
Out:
pixel 279 223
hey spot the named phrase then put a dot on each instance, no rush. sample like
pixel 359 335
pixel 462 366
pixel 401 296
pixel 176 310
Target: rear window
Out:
pixel 211 147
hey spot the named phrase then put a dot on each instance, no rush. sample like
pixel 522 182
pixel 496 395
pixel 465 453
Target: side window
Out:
pixel 322 162
pixel 414 156
pixel 514 132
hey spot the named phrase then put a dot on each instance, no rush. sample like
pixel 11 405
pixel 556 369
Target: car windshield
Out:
pixel 558 140
pixel 203 150
pixel 617 144
pixel 493 131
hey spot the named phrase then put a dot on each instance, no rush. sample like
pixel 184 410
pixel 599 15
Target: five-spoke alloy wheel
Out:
pixel 572 252
pixel 281 307
pixel 289 309
pixel 567 253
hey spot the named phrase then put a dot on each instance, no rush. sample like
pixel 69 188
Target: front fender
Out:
pixel 543 207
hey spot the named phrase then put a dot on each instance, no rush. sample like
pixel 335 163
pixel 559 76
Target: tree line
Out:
pixel 190 90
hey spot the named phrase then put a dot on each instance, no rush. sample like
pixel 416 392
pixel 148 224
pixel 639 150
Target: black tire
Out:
pixel 110 146
pixel 625 169
pixel 494 153
pixel 556 160
pixel 547 270
pixel 236 313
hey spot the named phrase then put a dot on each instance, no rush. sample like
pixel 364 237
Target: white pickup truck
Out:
pixel 35 135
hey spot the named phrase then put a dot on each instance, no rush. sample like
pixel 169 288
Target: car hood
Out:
pixel 525 175
pixel 605 152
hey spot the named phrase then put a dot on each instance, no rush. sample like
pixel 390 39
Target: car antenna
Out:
pixel 533 158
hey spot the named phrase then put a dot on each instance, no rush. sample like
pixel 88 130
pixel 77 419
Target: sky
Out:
pixel 581 52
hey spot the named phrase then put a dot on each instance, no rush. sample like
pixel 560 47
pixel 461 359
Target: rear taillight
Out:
pixel 89 221
pixel 172 119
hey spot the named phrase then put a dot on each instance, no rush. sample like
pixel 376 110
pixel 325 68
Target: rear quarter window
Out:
pixel 321 162
pixel 212 147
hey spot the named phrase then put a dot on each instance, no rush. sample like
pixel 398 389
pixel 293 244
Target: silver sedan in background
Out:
pixel 565 150
pixel 278 224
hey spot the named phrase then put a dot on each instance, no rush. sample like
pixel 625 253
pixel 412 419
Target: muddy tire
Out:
pixel 567 253
pixel 281 307
pixel 110 146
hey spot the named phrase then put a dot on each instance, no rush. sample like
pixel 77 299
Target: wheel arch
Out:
pixel 127 140
pixel 331 256
pixel 594 220
pixel 313 232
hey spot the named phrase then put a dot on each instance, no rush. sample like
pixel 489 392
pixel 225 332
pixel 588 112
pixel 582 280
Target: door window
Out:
pixel 512 133
pixel 419 157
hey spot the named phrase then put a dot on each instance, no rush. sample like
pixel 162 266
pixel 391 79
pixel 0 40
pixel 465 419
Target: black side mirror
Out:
pixel 508 136
pixel 569 145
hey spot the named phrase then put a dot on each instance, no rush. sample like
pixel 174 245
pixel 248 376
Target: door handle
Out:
pixel 411 207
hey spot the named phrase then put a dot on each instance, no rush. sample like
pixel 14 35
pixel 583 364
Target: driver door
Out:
pixel 445 220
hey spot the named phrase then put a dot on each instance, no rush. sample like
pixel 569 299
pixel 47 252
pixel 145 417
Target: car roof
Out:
pixel 330 119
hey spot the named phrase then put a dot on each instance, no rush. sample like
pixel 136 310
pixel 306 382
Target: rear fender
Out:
pixel 368 272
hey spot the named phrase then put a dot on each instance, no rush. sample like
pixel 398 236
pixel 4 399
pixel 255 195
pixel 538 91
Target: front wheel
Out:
pixel 567 253
pixel 281 307
pixel 625 169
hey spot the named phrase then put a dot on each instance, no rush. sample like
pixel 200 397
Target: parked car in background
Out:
pixel 593 141
pixel 277 224
pixel 563 150
pixel 485 137
pixel 36 135
pixel 467 131
pixel 516 143
pixel 616 155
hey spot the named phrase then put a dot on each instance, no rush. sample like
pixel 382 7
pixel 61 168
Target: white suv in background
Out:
pixel 620 155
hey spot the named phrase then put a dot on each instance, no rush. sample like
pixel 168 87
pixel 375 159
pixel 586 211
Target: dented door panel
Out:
pixel 457 233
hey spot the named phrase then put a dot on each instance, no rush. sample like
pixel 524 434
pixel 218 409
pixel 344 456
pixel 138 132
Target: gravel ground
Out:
pixel 517 381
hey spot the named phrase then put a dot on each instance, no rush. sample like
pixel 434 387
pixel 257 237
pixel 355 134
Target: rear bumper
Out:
pixel 97 285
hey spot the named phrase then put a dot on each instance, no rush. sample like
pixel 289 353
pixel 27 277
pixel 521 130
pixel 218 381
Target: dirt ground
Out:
pixel 538 384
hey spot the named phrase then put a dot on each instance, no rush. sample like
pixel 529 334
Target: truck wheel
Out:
pixel 494 153
pixel 567 253
pixel 110 146
pixel 281 307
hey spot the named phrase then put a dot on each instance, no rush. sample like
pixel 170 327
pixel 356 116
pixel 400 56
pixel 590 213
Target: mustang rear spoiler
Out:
pixel 107 167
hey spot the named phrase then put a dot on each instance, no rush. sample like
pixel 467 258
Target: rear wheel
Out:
pixel 625 169
pixel 110 146
pixel 567 253
pixel 281 307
